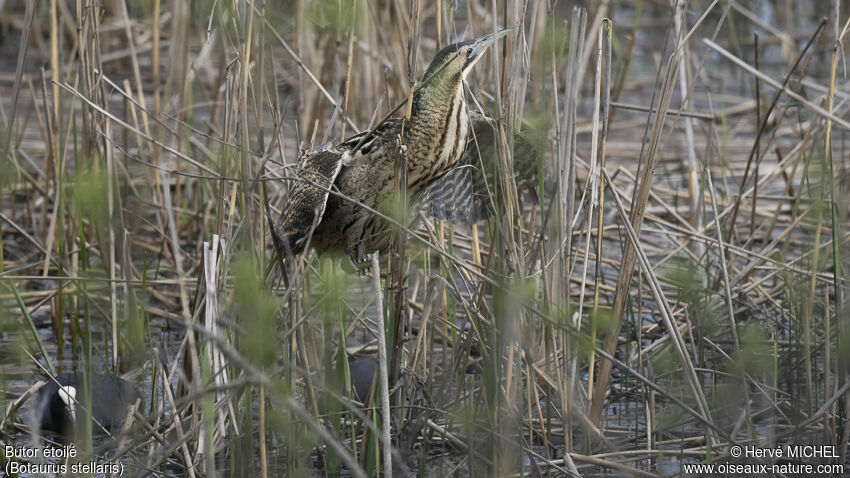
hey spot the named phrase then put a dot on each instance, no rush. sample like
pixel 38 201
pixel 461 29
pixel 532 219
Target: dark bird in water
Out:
pixel 362 376
pixel 61 402
pixel 363 372
pixel 361 170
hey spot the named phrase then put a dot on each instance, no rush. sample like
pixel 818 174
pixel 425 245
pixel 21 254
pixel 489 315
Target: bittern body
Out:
pixel 325 207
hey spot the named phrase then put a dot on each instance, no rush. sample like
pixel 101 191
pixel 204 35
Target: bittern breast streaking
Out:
pixel 433 140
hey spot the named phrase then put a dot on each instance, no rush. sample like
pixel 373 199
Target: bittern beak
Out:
pixel 476 50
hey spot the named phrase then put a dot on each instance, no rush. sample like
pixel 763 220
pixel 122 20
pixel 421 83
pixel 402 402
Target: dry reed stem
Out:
pixel 636 220
pixel 386 418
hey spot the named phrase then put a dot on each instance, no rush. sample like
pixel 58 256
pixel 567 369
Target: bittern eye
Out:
pixel 469 52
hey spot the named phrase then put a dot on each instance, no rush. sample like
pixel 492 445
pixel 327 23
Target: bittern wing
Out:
pixel 464 195
pixel 308 197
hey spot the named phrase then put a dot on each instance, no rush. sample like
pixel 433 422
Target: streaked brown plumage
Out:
pixel 433 140
pixel 464 195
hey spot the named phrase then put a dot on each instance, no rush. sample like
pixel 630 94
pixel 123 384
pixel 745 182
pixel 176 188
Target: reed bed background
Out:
pixel 675 285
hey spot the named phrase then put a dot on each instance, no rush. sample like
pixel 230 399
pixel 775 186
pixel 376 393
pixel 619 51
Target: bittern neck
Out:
pixel 437 131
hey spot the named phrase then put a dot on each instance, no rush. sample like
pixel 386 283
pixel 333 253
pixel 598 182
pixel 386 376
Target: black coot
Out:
pixel 363 373
pixel 61 402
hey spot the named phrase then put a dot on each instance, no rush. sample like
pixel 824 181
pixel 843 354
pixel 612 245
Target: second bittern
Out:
pixel 362 169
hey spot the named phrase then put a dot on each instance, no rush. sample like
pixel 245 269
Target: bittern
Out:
pixel 325 207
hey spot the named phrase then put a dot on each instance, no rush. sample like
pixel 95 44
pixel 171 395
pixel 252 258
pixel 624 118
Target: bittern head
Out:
pixel 451 64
